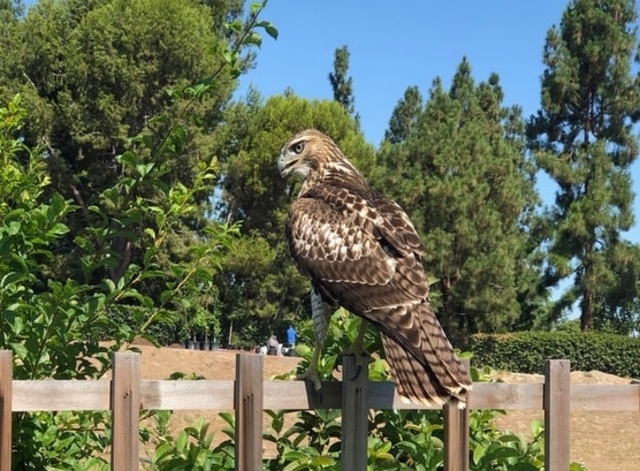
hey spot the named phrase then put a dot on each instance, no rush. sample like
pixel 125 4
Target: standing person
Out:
pixel 272 345
pixel 292 336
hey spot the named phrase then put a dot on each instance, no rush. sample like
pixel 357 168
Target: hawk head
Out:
pixel 313 157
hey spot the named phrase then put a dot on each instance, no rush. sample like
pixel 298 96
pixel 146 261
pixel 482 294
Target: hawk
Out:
pixel 362 252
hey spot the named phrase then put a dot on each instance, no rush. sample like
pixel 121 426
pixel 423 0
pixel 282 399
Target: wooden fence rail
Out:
pixel 125 394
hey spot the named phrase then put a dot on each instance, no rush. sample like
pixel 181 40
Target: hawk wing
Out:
pixel 362 252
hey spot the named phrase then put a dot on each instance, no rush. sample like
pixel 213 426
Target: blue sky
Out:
pixel 397 44
pixel 393 47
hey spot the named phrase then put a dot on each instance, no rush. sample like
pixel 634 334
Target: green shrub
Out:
pixel 398 440
pixel 192 449
pixel 52 322
pixel 526 352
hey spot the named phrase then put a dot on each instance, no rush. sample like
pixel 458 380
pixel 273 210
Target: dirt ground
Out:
pixel 603 441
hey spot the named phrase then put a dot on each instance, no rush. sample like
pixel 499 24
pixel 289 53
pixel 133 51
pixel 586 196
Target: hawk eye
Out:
pixel 298 147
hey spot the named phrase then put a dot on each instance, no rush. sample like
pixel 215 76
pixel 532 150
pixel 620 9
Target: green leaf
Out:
pixel 19 350
pixel 524 467
pixel 58 229
pixel 478 453
pixel 271 30
pixel 144 169
pixel 253 39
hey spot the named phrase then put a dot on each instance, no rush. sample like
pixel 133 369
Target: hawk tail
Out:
pixel 431 374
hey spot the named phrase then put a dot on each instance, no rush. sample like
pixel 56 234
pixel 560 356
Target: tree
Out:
pixel 260 287
pixel 463 178
pixel 405 116
pixel 92 84
pixel 54 327
pixel 582 137
pixel 341 84
pixel 96 75
pixel 10 10
pixel 621 298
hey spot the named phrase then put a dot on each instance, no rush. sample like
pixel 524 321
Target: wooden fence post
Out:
pixel 125 410
pixel 6 397
pixel 355 426
pixel 557 415
pixel 248 403
pixel 456 434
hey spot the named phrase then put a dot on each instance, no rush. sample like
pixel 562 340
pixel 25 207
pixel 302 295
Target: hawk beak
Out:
pixel 285 165
pixel 280 164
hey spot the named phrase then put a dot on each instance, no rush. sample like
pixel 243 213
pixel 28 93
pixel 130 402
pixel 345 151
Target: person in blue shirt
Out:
pixel 292 336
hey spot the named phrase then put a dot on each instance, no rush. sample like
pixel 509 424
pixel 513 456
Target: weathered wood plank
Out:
pixel 557 415
pixel 125 406
pixel 383 395
pixel 6 407
pixel 60 395
pixel 188 395
pixel 354 414
pixel 605 397
pixel 297 395
pixel 248 408
pixel 507 396
pixel 455 446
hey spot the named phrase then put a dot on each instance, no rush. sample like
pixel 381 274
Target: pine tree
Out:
pixel 341 84
pixel 463 178
pixel 582 137
pixel 405 116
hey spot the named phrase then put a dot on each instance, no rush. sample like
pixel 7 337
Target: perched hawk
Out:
pixel 361 252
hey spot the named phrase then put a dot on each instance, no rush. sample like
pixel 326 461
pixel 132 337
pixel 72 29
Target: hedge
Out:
pixel 526 352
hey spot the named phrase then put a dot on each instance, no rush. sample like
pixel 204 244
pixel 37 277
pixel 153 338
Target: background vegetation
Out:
pixel 461 162
pixel 526 352
pixel 136 198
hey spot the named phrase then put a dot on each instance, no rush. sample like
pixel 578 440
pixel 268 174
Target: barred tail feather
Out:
pixel 439 355
pixel 413 382
pixel 430 372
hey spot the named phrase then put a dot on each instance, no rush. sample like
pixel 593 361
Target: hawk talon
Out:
pixel 312 377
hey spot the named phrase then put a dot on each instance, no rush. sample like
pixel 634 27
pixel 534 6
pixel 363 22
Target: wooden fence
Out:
pixel 126 394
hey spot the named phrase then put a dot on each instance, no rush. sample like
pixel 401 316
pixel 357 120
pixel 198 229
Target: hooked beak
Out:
pixel 285 165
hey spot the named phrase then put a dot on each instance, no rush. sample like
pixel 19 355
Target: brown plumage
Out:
pixel 361 251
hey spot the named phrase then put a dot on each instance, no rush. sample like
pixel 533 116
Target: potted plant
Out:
pixel 188 329
pixel 205 324
pixel 200 323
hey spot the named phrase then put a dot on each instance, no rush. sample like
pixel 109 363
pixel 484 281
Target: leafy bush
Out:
pixel 398 440
pixel 191 450
pixel 526 352
pixel 54 325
